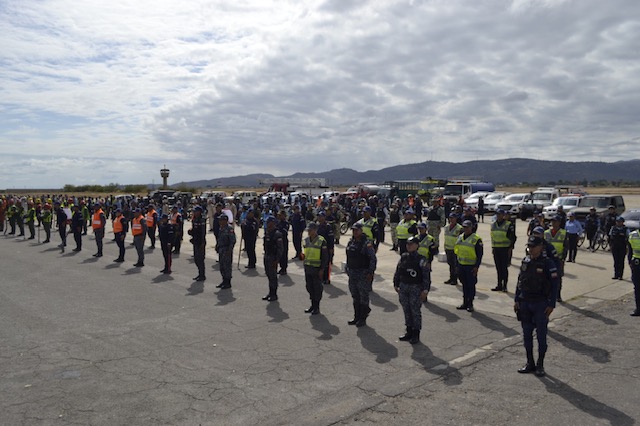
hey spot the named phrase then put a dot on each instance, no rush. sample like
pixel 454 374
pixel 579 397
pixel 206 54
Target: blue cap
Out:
pixel 197 209
pixel 501 211
pixel 557 217
pixel 409 211
pixel 270 218
pixel 619 219
pixel 422 225
pixel 414 240
pixel 366 209
pixel 322 213
pixel 467 223
pixel 538 230
pixel 164 216
pixel 357 225
pixel 453 215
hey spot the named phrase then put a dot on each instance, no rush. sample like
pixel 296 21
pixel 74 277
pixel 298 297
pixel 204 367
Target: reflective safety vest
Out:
pixel 149 218
pixel 174 218
pixel 47 217
pixel 117 225
pixel 96 222
pixel 313 251
pixel 558 241
pixel 451 236
pixel 424 248
pixel 465 249
pixel 367 226
pixel 499 234
pixel 402 230
pixel 634 241
pixel 136 226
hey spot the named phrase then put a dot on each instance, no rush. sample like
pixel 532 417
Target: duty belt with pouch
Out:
pixel 636 261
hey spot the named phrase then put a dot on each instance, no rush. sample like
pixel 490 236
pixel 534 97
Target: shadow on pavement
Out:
pixel 445 313
pixel 381 302
pixel 275 312
pixel 589 314
pixel 134 270
pixel 51 249
pixel 586 403
pixel 162 278
pixel 322 324
pixel 599 355
pixel 492 324
pixel 285 280
pixel 196 288
pixel 377 345
pixel 432 364
pixel 90 260
pixel 225 297
pixel 333 291
pixel 112 265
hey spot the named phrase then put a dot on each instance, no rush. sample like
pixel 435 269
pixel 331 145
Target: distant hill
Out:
pixel 500 172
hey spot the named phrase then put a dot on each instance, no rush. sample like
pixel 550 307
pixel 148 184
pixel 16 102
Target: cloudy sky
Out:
pixel 110 91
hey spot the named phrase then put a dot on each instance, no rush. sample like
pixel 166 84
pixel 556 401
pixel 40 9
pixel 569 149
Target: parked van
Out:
pixel 540 198
pixel 245 197
pixel 601 204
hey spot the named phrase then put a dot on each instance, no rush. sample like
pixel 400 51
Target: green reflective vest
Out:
pixel 313 251
pixel 558 241
pixel 465 249
pixel 367 227
pixel 499 234
pixel 402 230
pixel 424 248
pixel 451 236
pixel 634 241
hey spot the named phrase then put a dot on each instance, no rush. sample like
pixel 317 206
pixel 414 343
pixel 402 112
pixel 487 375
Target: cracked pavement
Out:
pixel 92 342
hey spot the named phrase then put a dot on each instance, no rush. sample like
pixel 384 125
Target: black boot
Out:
pixel 364 313
pixel 540 366
pixel 530 366
pixel 356 314
pixel 465 305
pixel 407 336
pixel 415 337
pixel 316 308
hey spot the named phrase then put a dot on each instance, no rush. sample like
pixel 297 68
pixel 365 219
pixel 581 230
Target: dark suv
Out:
pixel 601 203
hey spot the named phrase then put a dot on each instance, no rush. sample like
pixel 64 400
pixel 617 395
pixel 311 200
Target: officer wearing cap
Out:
pixel 574 229
pixel 549 250
pixel 139 232
pixel 503 237
pixel 406 228
pixel 558 238
pixel 198 234
pixel 30 219
pixel 412 282
pixel 152 224
pixel 167 235
pixel 369 226
pixel 176 220
pixel 451 233
pixel 468 250
pixel 591 226
pixel 609 219
pixel 273 243
pixel 298 225
pixel 361 265
pixel 61 220
pixel 326 231
pixel 316 260
pixel 618 241
pixel 534 301
pixel 250 228
pixel 120 226
pixel 77 225
pixel 47 220
pixel 225 243
pixel 538 220
pixel 98 223
pixel 435 221
pixel 283 226
pixel 427 246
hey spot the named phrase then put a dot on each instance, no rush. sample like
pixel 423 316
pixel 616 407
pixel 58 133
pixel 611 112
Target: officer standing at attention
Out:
pixel 61 221
pixel 273 249
pixel 406 228
pixel 435 220
pixel 198 234
pixel 224 246
pixel 412 282
pixel 30 219
pixel 283 227
pixel 369 226
pixel 503 237
pixel 618 241
pixel 98 222
pixel 325 230
pixel 316 260
pixel 469 251
pixel 166 233
pixel 361 265
pixel 634 262
pixel 535 300
pixel 574 229
pixel 427 246
pixel 451 233
pixel 558 238
pixel 77 224
pixel 139 232
pixel 178 223
pixel 152 225
pixel 120 232
pixel 250 228
pixel 47 218
pixel 298 224
pixel 394 220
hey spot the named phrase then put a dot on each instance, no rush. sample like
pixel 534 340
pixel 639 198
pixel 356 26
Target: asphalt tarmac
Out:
pixel 84 341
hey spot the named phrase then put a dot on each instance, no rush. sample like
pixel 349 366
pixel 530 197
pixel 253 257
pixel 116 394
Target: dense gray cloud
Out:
pixel 212 88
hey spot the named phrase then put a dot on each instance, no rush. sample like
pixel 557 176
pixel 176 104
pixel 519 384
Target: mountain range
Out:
pixel 511 171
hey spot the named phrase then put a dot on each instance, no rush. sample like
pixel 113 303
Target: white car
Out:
pixel 472 200
pixel 512 203
pixel 492 200
pixel 567 203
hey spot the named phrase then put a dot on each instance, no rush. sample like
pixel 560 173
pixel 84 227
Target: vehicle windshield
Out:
pixel 453 190
pixel 493 197
pixel 599 203
pixel 541 196
pixel 631 215
pixel 514 197
pixel 566 201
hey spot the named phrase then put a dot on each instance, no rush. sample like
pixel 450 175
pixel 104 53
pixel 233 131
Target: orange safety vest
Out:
pixel 136 226
pixel 117 225
pixel 96 223
pixel 150 222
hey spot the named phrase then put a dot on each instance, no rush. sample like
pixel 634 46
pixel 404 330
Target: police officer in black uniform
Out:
pixel 618 241
pixel 412 281
pixel 198 234
pixel 283 226
pixel 250 228
pixel 361 265
pixel 167 235
pixel 535 300
pixel 273 249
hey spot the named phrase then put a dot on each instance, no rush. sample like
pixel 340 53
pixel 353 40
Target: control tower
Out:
pixel 164 172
